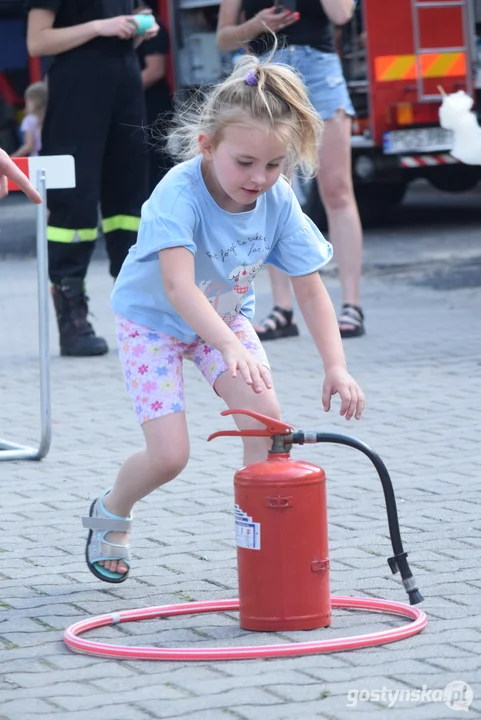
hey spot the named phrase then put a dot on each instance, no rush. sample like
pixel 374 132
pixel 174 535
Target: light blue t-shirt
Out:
pixel 229 249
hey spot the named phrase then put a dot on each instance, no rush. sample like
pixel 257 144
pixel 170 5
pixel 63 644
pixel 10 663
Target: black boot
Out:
pixel 77 336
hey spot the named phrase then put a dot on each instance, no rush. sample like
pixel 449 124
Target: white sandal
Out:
pixel 100 522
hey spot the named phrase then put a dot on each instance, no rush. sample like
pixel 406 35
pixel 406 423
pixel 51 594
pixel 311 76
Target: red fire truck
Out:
pixel 396 56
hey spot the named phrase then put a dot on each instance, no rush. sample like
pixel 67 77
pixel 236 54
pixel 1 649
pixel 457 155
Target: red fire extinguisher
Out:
pixel 282 531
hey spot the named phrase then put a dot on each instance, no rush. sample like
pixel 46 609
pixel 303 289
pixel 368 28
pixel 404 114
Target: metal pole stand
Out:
pixel 52 172
pixel 15 451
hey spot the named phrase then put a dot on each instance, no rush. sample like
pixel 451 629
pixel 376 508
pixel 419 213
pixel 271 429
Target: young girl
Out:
pixel 31 127
pixel 185 289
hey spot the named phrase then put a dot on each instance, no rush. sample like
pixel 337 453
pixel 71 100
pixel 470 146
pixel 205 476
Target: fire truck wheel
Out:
pixel 376 200
pixel 456 179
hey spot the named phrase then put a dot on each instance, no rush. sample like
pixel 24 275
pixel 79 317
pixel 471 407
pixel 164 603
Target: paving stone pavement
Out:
pixel 420 366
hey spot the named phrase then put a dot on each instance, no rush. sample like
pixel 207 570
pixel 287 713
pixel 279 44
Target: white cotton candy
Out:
pixel 455 114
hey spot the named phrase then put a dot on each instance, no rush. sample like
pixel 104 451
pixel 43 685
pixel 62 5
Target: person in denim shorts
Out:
pixel 305 33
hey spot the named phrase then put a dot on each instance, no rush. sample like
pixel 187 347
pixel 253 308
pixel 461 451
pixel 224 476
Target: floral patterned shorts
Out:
pixel 152 364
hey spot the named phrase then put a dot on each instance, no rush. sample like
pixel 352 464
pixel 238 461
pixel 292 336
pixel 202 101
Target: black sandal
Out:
pixel 278 324
pixel 351 315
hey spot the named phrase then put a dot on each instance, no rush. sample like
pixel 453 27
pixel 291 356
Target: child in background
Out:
pixel 185 289
pixel 35 106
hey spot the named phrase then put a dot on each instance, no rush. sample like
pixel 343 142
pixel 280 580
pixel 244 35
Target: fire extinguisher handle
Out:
pixel 239 433
pixel 273 426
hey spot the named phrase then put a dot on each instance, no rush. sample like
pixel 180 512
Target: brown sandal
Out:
pixel 279 323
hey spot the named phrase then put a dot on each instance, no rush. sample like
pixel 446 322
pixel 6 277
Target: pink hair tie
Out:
pixel 251 78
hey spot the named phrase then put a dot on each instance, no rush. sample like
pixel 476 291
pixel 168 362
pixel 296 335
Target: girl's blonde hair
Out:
pixel 38 94
pixel 259 91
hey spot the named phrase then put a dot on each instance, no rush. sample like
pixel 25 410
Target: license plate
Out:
pixel 420 140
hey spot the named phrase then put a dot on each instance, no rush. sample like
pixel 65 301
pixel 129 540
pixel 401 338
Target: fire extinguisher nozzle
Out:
pixel 410 584
pixel 415 597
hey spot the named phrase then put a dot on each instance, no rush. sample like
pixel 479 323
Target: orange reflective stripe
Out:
pixel 443 64
pixel 459 66
pixel 432 65
pixel 382 63
pixel 395 67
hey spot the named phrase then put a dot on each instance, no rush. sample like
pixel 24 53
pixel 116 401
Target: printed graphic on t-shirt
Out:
pixel 228 301
pixel 258 243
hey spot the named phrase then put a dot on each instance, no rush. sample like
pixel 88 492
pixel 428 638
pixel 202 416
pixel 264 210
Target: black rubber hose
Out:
pixel 399 561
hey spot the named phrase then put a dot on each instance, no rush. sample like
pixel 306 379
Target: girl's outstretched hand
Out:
pixel 338 381
pixel 240 360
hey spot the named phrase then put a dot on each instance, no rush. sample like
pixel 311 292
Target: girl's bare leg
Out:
pixel 336 190
pixel 165 456
pixel 237 394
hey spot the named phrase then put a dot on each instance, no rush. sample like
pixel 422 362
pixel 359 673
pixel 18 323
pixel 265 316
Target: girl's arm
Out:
pixel 318 312
pixel 338 11
pixel 178 275
pixel 232 35
pixel 27 147
pixel 44 39
pixel 154 70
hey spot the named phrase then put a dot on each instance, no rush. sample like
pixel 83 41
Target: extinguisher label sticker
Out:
pixel 247 532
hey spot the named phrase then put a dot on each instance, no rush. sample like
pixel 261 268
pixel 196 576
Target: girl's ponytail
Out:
pixel 260 91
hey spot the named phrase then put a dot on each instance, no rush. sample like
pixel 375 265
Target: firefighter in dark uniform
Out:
pixel 94 113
